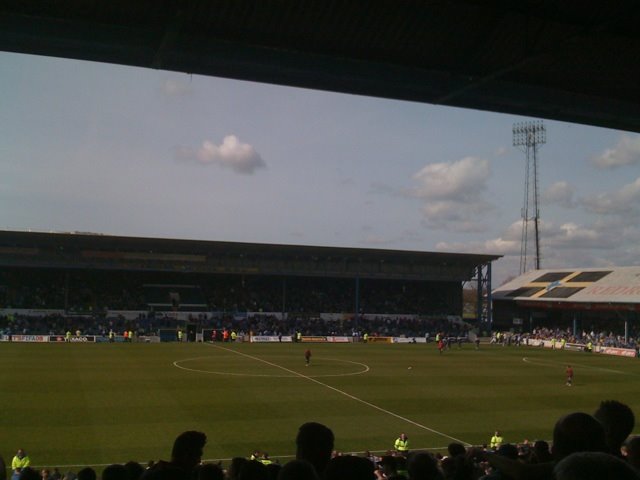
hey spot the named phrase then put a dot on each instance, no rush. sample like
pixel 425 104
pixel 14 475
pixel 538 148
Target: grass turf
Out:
pixel 96 404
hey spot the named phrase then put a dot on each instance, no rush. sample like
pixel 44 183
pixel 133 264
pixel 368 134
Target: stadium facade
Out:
pixel 170 274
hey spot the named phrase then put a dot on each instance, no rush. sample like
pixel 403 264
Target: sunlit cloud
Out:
pixel 240 157
pixel 453 193
pixel 626 152
pixel 625 201
pixel 175 87
pixel 560 193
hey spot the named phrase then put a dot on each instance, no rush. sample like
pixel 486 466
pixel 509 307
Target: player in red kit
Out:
pixel 569 376
pixel 307 357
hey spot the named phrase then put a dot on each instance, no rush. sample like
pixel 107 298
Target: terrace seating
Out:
pixel 87 292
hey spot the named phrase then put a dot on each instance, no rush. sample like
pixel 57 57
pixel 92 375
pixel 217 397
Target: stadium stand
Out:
pixel 54 283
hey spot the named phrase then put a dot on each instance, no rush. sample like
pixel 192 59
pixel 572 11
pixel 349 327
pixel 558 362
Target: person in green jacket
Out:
pixel 401 445
pixel 20 461
pixel 496 440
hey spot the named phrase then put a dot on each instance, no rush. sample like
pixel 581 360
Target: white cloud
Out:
pixel 445 210
pixel 239 157
pixel 456 216
pixel 560 193
pixel 565 236
pixel 625 201
pixel 508 243
pixel 495 246
pixel 607 242
pixel 502 246
pixel 174 87
pixel 452 193
pixel 626 152
pixel 372 238
pixel 514 231
pixel 501 151
pixel 463 179
pixel 572 236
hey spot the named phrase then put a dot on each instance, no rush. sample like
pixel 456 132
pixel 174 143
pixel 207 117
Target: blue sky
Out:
pixel 128 151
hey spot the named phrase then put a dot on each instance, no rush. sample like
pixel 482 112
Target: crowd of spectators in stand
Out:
pixel 84 300
pixel 150 324
pixel 562 336
pixel 93 292
pixel 584 447
pixel 92 302
pixel 598 336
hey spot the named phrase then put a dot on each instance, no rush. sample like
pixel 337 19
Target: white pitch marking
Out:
pixel 178 362
pixel 348 395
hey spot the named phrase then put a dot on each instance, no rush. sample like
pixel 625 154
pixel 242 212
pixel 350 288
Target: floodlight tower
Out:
pixel 529 136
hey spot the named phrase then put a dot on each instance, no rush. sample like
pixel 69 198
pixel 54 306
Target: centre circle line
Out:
pixel 178 363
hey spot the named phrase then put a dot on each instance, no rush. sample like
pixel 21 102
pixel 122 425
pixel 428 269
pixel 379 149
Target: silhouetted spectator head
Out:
pixel 632 451
pixel 187 449
pixel 314 443
pixel 401 463
pixel 577 432
pixel 456 449
pixel 448 467
pixel 298 470
pixel 273 469
pixel 618 422
pixel 594 466
pixel 135 470
pixel 423 466
pixel 115 472
pixel 28 473
pixel 388 465
pixel 69 475
pixel 209 471
pixel 348 467
pixel 234 468
pixel 460 468
pixel 87 473
pixel 253 470
pixel 508 450
pixel 541 452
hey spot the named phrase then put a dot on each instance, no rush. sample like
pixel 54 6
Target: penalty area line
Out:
pixel 348 395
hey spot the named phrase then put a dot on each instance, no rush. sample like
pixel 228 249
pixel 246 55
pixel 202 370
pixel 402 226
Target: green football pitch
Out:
pixel 96 404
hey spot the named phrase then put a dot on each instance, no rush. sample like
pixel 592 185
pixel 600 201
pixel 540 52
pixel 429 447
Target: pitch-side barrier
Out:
pixel 620 352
